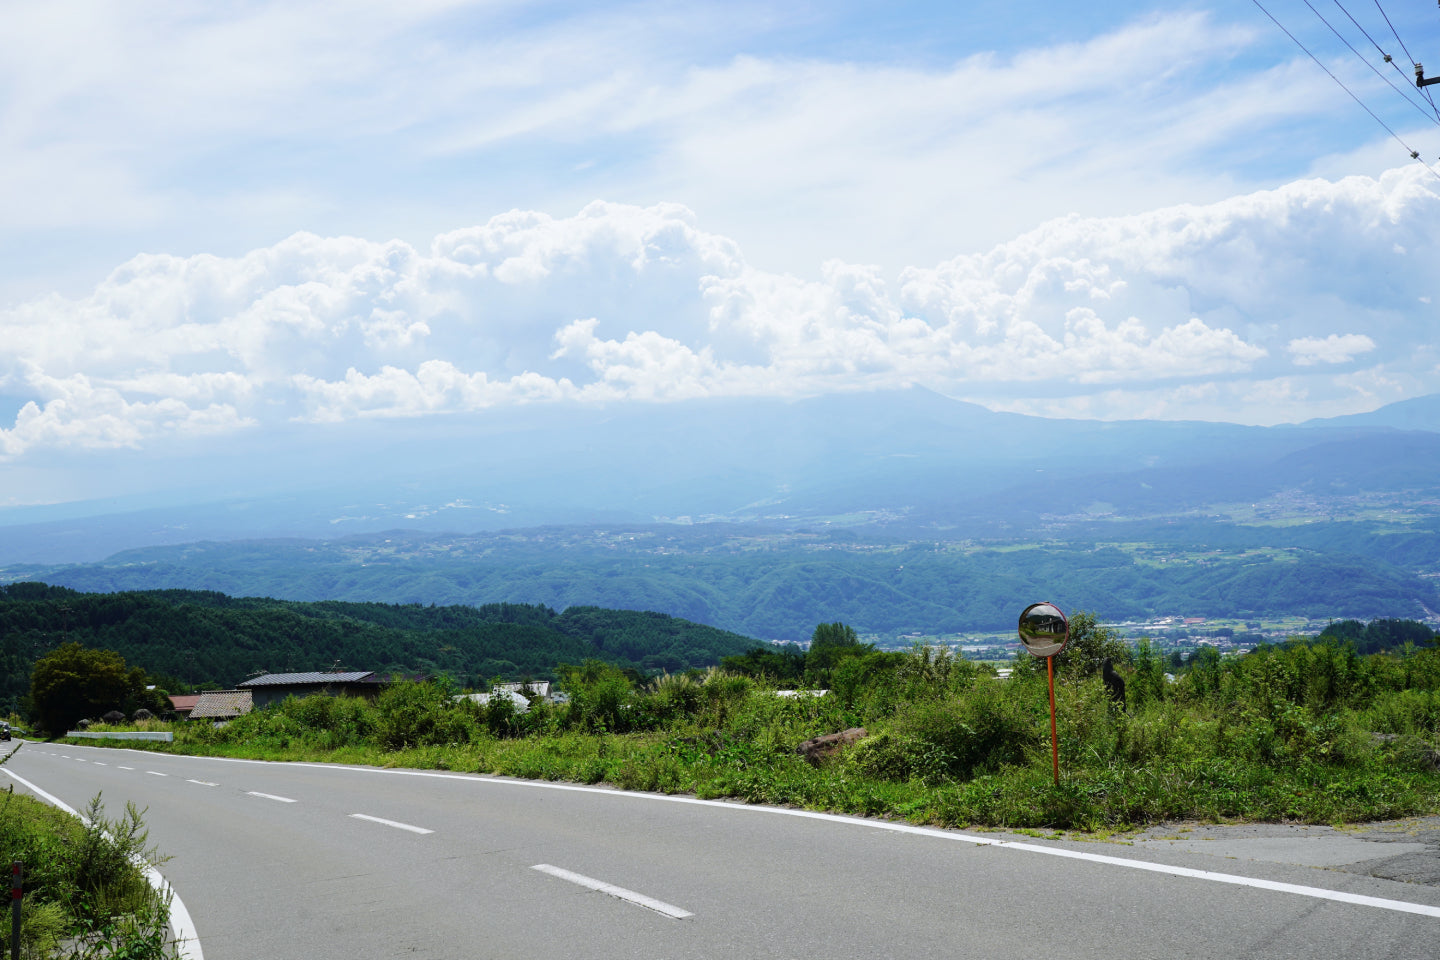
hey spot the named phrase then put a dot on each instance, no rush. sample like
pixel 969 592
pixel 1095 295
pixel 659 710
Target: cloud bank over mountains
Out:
pixel 1317 298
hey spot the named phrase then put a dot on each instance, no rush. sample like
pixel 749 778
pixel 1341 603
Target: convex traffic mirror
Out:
pixel 1043 629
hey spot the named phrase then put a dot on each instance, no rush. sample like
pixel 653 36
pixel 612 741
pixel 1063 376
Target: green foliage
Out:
pixel 1378 635
pixel 1089 644
pixel 761 583
pixel 71 683
pixel 84 892
pixel 831 643
pixel 602 697
pixel 421 714
pixel 781 664
pixel 195 638
pixel 938 739
pixel 1299 731
pixel 1147 685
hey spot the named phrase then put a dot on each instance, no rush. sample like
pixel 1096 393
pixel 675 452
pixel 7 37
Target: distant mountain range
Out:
pixel 907 463
pixel 900 513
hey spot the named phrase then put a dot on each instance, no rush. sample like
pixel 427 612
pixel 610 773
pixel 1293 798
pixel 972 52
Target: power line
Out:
pixel 1386 57
pixel 1412 60
pixel 1414 154
pixel 1435 119
pixel 1394 31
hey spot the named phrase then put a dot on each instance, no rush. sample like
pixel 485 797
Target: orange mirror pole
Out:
pixel 1044 631
pixel 1054 740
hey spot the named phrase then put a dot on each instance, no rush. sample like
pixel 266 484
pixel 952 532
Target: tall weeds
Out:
pixel 1313 733
pixel 85 896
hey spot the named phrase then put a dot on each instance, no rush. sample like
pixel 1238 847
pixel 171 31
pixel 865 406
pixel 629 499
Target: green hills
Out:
pixel 777 583
pixel 200 637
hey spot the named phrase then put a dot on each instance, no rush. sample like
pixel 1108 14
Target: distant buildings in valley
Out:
pixel 1167 634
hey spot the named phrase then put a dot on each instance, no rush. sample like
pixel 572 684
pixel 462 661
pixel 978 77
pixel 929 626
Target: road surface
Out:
pixel 323 862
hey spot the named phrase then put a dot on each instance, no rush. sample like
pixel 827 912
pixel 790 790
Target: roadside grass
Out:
pixel 1313 734
pixel 1117 795
pixel 85 897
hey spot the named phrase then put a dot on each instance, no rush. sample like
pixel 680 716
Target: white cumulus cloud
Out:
pixel 1336 348
pixel 1185 311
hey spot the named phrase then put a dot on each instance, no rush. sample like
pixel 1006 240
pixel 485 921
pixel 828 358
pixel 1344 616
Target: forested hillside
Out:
pixel 207 637
pixel 777 585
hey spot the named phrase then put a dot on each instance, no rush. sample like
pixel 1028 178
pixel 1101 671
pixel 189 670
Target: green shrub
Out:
pixel 992 725
pixel 601 697
pixel 83 890
pixel 1404 712
pixel 414 714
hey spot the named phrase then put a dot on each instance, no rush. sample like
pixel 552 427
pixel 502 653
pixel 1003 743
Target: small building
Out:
pixel 221 705
pixel 519 694
pixel 530 688
pixel 183 703
pixel 274 687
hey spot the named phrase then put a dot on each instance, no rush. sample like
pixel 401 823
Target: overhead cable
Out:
pixel 1376 70
pixel 1385 56
pixel 1414 154
pixel 1394 31
pixel 1412 60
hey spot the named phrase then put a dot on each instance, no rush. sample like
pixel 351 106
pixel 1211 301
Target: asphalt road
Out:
pixel 323 862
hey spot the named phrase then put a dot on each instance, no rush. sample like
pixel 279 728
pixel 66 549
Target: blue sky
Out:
pixel 223 217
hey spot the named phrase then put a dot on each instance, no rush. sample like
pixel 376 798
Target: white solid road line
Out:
pixel 49 798
pixel 391 823
pixel 270 796
pixel 187 938
pixel 1318 893
pixel 590 883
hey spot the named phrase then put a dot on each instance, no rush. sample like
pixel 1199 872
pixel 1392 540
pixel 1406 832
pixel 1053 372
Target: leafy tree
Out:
pixel 1380 634
pixel 1344 630
pixel 71 682
pixel 1090 643
pixel 829 644
pixel 774 663
pixel 141 693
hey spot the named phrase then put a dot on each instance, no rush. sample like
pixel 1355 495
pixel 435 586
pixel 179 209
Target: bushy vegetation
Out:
pixel 85 896
pixel 1303 731
pixel 70 683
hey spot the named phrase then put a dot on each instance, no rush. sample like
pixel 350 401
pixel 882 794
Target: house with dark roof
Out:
pixel 275 687
pixel 221 705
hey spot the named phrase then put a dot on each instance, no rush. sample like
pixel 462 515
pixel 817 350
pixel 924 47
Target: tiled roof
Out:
pixel 222 704
pixel 184 701
pixel 293 679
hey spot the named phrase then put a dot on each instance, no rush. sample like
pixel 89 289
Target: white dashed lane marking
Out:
pixel 270 796
pixel 600 886
pixel 391 823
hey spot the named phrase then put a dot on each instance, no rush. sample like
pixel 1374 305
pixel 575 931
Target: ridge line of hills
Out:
pixel 200 637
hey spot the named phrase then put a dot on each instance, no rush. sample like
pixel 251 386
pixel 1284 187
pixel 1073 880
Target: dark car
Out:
pixel 4 730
